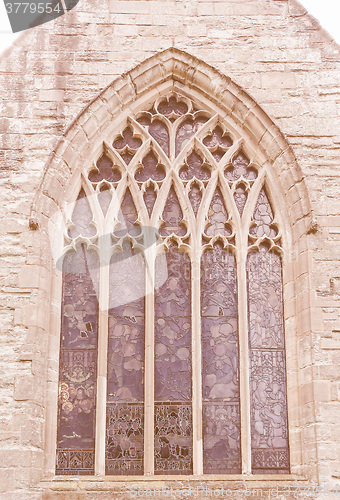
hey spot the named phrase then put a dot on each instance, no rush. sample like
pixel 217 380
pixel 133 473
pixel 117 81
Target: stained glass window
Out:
pixel 172 304
pixel 78 365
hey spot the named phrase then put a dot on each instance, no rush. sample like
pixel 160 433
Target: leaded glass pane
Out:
pixel 78 364
pixel 173 413
pixel 263 217
pixel 195 166
pixel 82 218
pixel 187 129
pixel 105 170
pixel 195 197
pixel 218 143
pixel 240 167
pixel 240 197
pixel 220 363
pixel 172 216
pixel 125 381
pixel 150 169
pixel 217 217
pixel 127 144
pixel 269 426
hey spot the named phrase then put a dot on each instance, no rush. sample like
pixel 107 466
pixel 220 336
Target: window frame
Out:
pixel 241 249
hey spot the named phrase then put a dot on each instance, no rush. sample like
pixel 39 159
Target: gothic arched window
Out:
pixel 172 356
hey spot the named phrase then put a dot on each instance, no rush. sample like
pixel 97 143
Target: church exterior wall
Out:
pixel 275 53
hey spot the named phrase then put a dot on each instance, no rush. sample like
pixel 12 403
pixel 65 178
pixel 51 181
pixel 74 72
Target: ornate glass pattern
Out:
pixel 217 217
pixel 187 129
pixel 150 168
pixel 157 129
pixel 172 216
pixel 195 166
pixel 125 389
pixel 220 368
pixel 240 167
pixel 124 439
pixel 218 142
pixel 240 197
pixel 173 112
pixel 127 144
pixel 82 218
pixel 104 171
pixel 270 452
pixel 127 218
pixel 78 366
pixel 173 438
pixel 173 422
pixel 195 196
pixel 263 217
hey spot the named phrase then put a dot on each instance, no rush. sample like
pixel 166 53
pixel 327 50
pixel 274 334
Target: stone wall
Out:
pixel 275 52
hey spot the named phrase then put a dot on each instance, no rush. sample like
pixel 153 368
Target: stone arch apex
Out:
pixel 146 78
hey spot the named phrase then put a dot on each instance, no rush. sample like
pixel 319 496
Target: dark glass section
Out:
pixel 125 388
pixel 172 107
pixel 269 425
pixel 78 364
pixel 240 197
pixel 126 347
pixel 127 144
pixel 263 217
pixel 240 168
pixel 195 166
pixel 187 130
pixel 220 363
pixel 172 216
pixel 173 422
pixel 150 196
pixel 217 217
pixel 126 353
pixel 150 169
pixel 124 439
pixel 195 197
pixel 157 129
pixel 127 218
pixel 217 142
pixel 105 170
pixel 81 218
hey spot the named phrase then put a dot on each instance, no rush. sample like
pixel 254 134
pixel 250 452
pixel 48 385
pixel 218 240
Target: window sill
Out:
pixel 123 483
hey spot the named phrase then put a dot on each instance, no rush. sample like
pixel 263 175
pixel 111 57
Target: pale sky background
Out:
pixel 326 11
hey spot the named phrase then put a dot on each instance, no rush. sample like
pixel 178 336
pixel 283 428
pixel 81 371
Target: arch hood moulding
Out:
pixel 170 69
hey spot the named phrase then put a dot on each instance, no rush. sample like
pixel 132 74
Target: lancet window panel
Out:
pixel 78 365
pixel 155 321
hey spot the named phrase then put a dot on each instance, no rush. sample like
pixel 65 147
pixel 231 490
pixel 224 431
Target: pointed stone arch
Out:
pixel 176 70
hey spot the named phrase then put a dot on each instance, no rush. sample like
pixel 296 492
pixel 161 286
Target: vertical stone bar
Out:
pixel 149 376
pixel 104 290
pixel 196 367
pixel 244 360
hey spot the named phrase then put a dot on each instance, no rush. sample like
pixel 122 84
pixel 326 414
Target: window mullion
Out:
pixel 103 333
pixel 149 372
pixel 244 356
pixel 196 367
